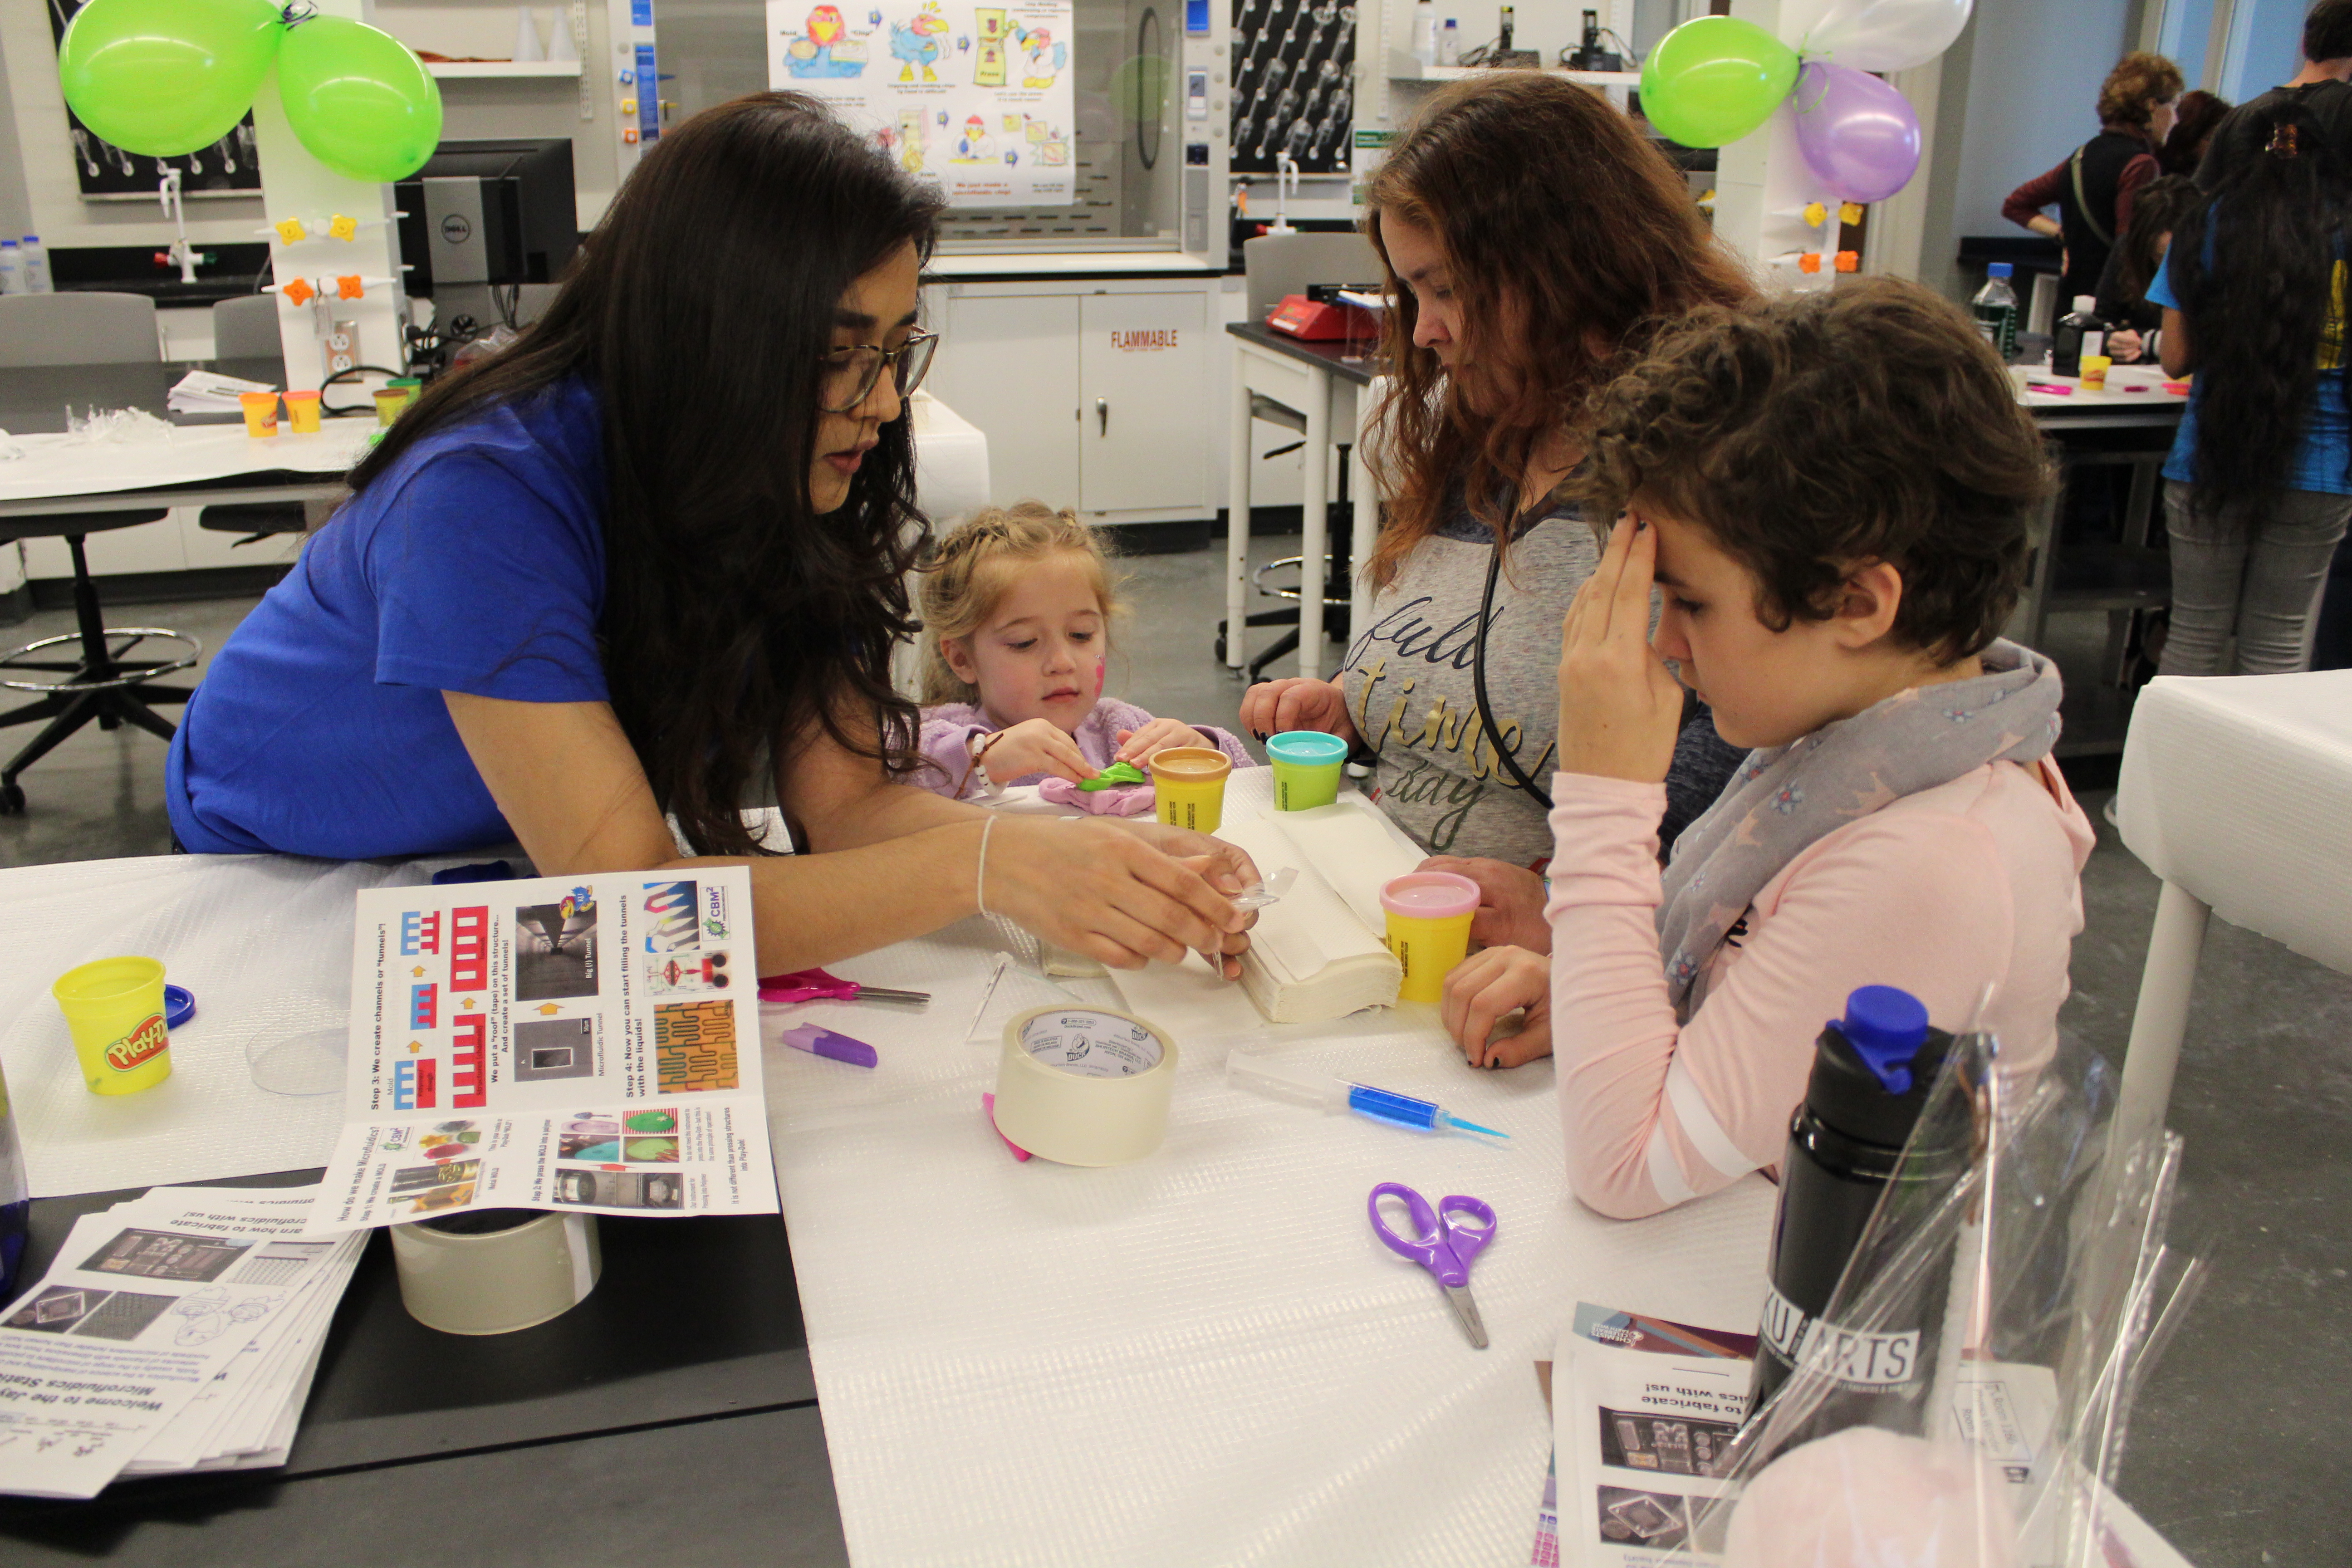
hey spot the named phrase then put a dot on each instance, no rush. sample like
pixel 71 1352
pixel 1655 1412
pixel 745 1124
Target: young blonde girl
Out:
pixel 1017 606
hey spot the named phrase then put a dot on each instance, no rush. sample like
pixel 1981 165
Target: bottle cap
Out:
pixel 2000 269
pixel 1886 1028
pixel 32 239
pixel 1873 1069
pixel 2084 305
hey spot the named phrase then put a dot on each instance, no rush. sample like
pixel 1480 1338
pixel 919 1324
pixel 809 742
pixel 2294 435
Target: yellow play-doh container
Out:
pixel 389 402
pixel 2095 372
pixel 1188 786
pixel 1429 928
pixel 260 410
pixel 302 411
pixel 114 1008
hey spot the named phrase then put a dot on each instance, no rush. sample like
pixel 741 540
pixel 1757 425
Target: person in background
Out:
pixel 1834 493
pixel 2194 119
pixel 2258 486
pixel 2094 188
pixel 1530 235
pixel 1017 606
pixel 2132 266
pixel 2323 87
pixel 602 589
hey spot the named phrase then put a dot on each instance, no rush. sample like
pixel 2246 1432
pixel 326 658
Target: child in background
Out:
pixel 1016 636
pixel 1832 491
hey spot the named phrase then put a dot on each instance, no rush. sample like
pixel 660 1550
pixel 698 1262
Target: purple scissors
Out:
pixel 1441 1244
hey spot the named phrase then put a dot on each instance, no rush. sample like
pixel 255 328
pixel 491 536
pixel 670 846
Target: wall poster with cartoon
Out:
pixel 1293 85
pixel 977 97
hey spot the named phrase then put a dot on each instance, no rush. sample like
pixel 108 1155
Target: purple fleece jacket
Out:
pixel 948 729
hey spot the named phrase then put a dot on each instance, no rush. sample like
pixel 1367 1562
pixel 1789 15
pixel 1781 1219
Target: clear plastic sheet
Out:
pixel 2038 1280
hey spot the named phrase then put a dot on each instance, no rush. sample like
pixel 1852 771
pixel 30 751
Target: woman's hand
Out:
pixel 1485 988
pixel 1271 707
pixel 2125 347
pixel 1620 707
pixel 1037 746
pixel 1510 902
pixel 1225 867
pixel 1120 897
pixel 1137 745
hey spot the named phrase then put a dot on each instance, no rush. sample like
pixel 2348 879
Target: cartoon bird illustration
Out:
pixel 918 43
pixel 1044 58
pixel 825 50
pixel 975 145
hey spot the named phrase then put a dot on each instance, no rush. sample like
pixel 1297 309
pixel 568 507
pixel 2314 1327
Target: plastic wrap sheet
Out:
pixel 1205 1356
pixel 264 943
pixel 62 466
pixel 2235 789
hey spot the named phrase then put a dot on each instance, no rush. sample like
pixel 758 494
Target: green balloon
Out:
pixel 362 104
pixel 1715 78
pixel 166 78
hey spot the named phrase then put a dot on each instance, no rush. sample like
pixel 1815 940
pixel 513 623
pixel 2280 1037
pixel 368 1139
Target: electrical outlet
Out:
pixel 341 346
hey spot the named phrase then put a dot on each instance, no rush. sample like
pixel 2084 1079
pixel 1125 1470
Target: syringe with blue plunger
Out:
pixel 1264 1075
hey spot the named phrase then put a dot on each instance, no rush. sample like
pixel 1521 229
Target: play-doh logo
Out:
pixel 147 1040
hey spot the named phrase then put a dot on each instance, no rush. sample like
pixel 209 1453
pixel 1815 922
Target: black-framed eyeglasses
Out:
pixel 850 373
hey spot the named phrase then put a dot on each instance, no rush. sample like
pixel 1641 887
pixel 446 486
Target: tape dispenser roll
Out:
pixel 1085 1086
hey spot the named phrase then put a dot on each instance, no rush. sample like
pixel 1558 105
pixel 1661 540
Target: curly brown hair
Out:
pixel 2140 82
pixel 1561 224
pixel 1811 433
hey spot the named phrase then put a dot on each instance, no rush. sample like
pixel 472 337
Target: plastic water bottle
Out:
pixel 36 260
pixel 1872 1072
pixel 15 1200
pixel 1425 31
pixel 2080 332
pixel 1995 306
pixel 12 268
pixel 1449 44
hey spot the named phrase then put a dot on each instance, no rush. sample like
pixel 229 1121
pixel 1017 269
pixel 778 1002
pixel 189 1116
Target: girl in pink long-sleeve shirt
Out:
pixel 1831 491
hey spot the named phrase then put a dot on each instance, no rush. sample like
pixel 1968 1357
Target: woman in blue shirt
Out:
pixel 651 558
pixel 2258 486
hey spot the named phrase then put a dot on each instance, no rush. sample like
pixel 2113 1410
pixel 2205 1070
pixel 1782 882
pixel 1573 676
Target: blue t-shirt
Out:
pixel 2323 460
pixel 475 563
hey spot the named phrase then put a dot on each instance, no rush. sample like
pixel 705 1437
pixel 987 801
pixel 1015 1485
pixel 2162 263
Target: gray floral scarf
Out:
pixel 1783 799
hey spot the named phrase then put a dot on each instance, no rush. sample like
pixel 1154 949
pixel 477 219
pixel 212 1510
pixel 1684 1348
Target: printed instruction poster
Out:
pixel 976 98
pixel 569 1043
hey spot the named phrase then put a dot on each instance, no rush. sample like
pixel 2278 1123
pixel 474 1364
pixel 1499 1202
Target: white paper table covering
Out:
pixel 2240 790
pixel 193 454
pixel 264 943
pixel 1206 1356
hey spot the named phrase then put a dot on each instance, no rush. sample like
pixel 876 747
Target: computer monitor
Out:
pixel 489 213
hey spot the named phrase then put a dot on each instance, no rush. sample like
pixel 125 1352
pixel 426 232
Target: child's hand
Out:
pixel 1487 988
pixel 1037 746
pixel 1510 902
pixel 1620 707
pixel 1137 745
pixel 1271 707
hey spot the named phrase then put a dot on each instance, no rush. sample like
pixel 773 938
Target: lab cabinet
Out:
pixel 1093 395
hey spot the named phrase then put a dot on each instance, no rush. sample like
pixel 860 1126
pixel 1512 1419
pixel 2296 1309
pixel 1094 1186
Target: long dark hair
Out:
pixel 736 620
pixel 2277 223
pixel 1544 196
pixel 2157 211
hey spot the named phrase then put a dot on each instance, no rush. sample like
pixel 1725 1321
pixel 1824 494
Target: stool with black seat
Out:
pixel 100 681
pixel 1336 600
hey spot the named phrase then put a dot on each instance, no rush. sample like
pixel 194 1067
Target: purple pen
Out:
pixel 826 1043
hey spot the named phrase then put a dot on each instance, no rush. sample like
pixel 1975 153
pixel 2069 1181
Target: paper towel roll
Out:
pixel 1085 1086
pixel 488 1279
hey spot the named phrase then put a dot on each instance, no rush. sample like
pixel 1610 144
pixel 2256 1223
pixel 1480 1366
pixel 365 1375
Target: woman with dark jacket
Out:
pixel 2095 187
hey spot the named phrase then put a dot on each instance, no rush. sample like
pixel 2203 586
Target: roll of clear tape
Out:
pixel 465 1274
pixel 1085 1086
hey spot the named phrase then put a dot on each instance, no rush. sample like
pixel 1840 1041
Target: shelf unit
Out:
pixel 1404 66
pixel 475 70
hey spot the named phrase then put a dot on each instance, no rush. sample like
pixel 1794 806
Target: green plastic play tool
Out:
pixel 1113 776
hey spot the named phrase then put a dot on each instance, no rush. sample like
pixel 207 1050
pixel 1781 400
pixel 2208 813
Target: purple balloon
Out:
pixel 1859 135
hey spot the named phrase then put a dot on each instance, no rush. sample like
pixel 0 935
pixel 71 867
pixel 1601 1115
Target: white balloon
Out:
pixel 1873 35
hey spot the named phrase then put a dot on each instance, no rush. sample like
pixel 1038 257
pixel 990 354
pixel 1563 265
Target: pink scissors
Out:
pixel 1441 1244
pixel 816 985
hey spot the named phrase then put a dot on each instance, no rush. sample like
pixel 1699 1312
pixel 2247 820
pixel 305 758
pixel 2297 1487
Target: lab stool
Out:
pixel 102 682
pixel 1335 594
pixel 2233 790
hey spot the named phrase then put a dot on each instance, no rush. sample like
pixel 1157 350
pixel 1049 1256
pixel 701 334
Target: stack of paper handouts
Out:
pixel 208 392
pixel 177 1331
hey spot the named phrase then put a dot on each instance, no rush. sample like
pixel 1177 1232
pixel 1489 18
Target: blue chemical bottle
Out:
pixel 1264 1075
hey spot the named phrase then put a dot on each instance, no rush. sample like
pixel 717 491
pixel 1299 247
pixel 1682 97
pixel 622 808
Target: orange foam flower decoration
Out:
pixel 1811 261
pixel 348 288
pixel 299 291
pixel 1849 261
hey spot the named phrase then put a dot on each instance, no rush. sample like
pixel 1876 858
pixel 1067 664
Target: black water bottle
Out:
pixel 1872 1072
pixel 2080 332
